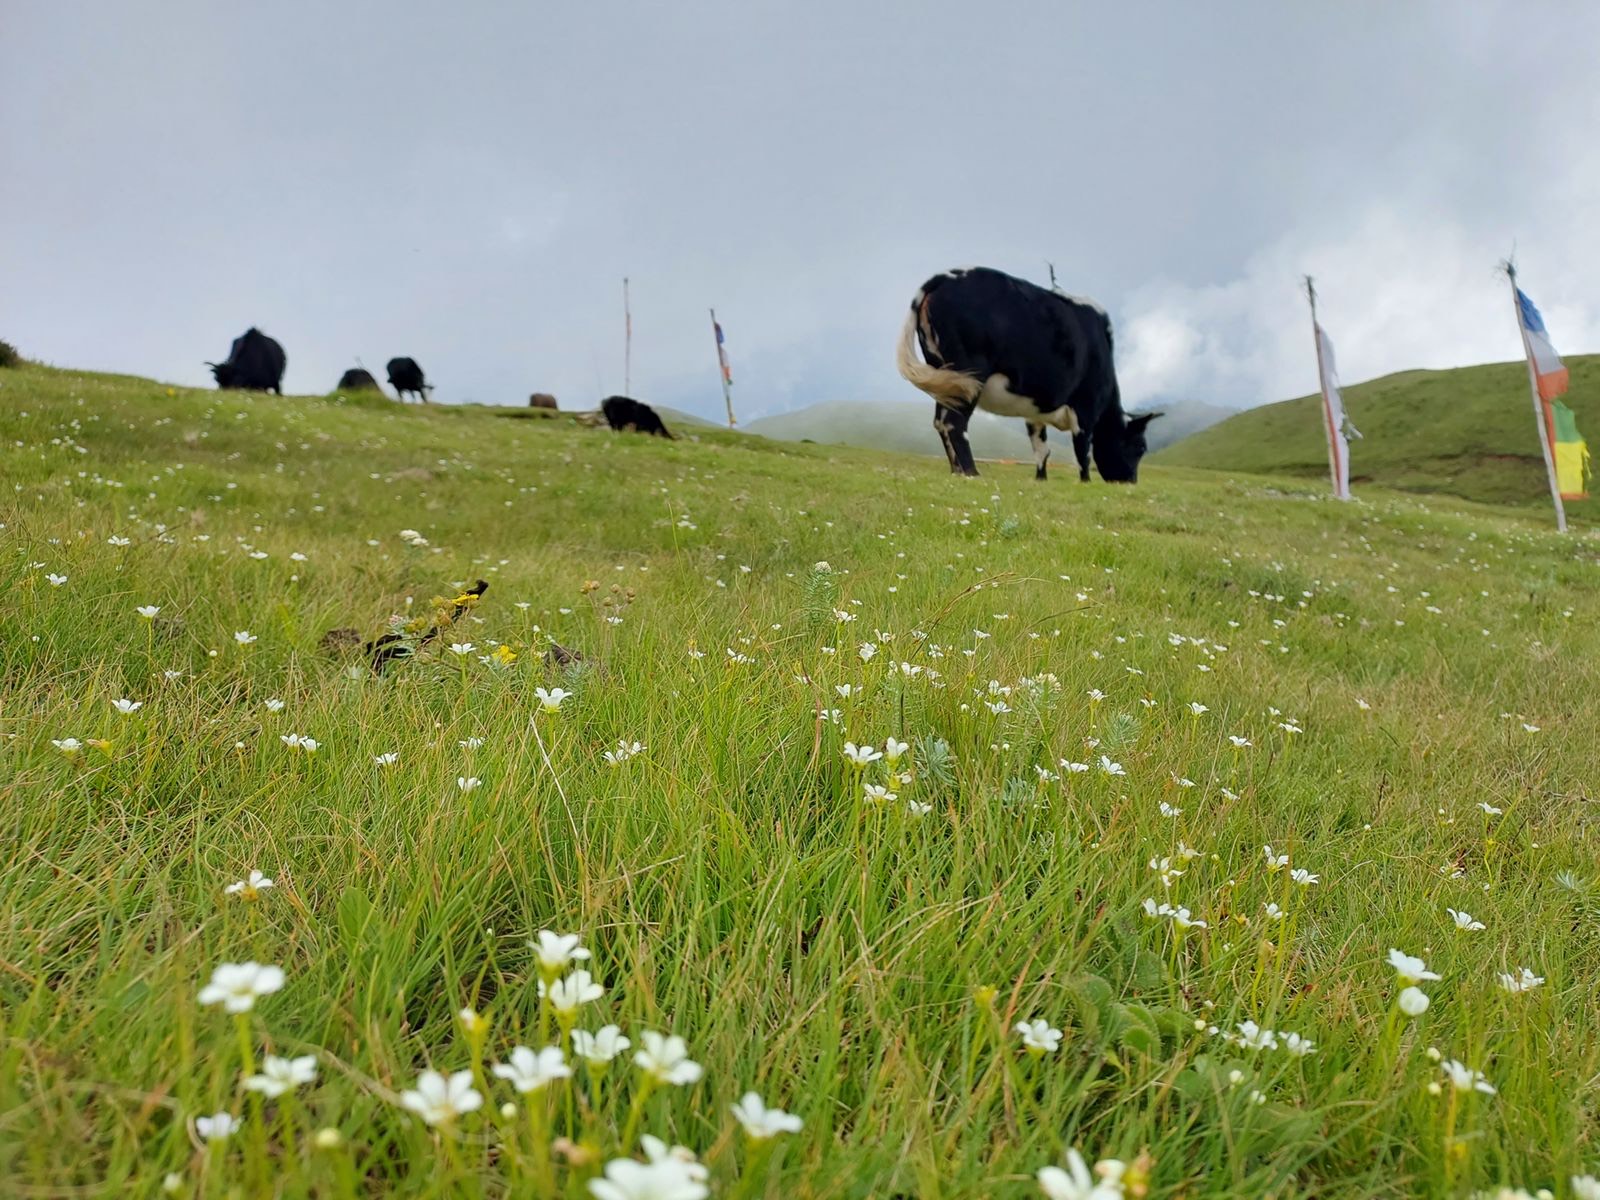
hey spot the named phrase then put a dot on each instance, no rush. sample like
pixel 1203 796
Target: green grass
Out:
pixel 852 961
pixel 1467 432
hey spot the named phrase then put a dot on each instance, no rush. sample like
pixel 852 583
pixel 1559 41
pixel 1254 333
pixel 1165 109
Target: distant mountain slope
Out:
pixel 1468 432
pixel 907 426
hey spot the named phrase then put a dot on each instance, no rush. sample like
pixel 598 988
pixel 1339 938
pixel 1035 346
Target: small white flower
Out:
pixel 1168 810
pixel 1096 695
pixel 550 701
pixel 274 706
pixel 666 1059
pixel 528 1072
pixel 1275 862
pixel 257 882
pixel 280 1075
pixel 438 1100
pixel 56 580
pixel 471 743
pixel 761 1122
pixel 1464 920
pixel 297 741
pixel 386 760
pixel 1252 1037
pixel 1297 1045
pixel 1489 809
pixel 893 750
pixel 601 1046
pixel 566 994
pixel 1038 1037
pixel 217 1127
pixel 1409 968
pixel 1413 1001
pixel 1304 877
pixel 1075 1183
pixel 1184 919
pixel 860 756
pixel 1273 912
pixel 556 952
pixel 68 746
pixel 918 808
pixel 1521 980
pixel 1197 708
pixel 148 611
pixel 666 1179
pixel 461 648
pixel 878 793
pixel 114 540
pixel 468 783
pixel 1109 767
pixel 1464 1079
pixel 237 986
pixel 624 751
pixel 1585 1187
pixel 244 637
pixel 127 707
pixel 1072 768
pixel 1239 743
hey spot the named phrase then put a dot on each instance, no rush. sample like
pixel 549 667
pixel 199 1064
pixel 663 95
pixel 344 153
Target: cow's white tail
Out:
pixel 939 382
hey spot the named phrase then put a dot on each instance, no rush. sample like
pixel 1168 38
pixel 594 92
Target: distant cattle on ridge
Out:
pixel 357 378
pixel 543 400
pixel 255 363
pixel 406 376
pixel 1010 347
pixel 624 413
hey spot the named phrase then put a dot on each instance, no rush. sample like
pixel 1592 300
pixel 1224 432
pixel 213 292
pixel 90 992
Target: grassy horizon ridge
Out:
pixel 1463 431
pixel 1116 710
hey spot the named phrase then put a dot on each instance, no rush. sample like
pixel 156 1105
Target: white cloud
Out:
pixel 1395 292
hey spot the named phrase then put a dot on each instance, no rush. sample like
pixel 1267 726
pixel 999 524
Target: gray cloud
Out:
pixel 469 186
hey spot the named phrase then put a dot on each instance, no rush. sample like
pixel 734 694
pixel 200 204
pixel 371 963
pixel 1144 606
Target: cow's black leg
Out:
pixel 951 422
pixel 1041 452
pixel 1080 447
pixel 944 436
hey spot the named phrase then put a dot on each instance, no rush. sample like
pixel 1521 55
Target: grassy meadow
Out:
pixel 1111 701
pixel 1465 432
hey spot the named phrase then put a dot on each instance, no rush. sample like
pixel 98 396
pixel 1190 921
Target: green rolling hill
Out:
pixel 906 426
pixel 1468 432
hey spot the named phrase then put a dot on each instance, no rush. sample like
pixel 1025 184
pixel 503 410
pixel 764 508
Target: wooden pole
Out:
pixel 1541 411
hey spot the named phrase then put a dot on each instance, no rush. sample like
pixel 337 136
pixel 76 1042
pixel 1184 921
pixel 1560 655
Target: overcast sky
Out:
pixel 468 184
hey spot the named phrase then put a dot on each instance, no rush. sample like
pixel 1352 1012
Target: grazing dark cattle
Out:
pixel 255 362
pixel 405 376
pixel 543 400
pixel 622 413
pixel 357 378
pixel 1002 344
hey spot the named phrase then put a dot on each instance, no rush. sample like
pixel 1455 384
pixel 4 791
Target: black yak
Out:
pixel 622 413
pixel 406 376
pixel 357 378
pixel 255 362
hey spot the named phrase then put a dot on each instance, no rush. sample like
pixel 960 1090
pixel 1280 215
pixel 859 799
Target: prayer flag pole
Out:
pixel 1541 410
pixel 723 368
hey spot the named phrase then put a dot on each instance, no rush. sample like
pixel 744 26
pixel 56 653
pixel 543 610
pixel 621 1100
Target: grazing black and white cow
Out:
pixel 623 413
pixel 1007 346
pixel 357 378
pixel 405 376
pixel 255 362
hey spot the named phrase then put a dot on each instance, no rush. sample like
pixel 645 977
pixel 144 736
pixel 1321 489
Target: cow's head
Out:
pixel 223 373
pixel 1117 451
